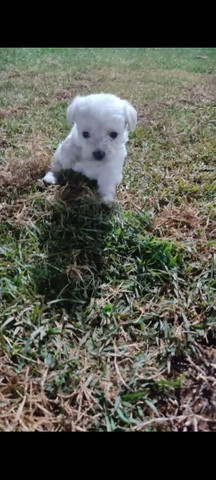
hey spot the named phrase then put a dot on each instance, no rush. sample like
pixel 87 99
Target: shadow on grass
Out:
pixel 87 246
pixel 72 245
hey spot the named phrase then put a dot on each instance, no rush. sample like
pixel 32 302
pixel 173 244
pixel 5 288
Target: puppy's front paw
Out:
pixel 50 178
pixel 108 198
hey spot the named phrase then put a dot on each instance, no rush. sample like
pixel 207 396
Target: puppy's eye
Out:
pixel 113 134
pixel 86 134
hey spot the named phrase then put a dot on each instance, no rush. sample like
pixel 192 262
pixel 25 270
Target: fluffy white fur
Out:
pixel 92 146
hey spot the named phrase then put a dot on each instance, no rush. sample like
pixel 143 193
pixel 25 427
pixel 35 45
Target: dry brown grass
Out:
pixel 18 173
pixel 179 222
pixel 26 407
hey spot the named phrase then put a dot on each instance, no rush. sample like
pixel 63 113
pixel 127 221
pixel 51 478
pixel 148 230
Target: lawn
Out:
pixel 108 314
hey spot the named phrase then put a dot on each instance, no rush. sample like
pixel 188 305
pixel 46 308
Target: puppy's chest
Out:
pixel 90 169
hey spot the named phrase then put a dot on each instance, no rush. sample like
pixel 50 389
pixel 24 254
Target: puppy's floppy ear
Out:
pixel 72 110
pixel 131 116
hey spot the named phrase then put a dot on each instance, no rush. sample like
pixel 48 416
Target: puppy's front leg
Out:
pixel 51 177
pixel 63 159
pixel 106 190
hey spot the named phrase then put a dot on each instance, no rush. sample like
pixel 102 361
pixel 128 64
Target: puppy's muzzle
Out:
pixel 99 154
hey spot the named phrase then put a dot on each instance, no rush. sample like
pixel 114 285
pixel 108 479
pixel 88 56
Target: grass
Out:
pixel 79 59
pixel 107 319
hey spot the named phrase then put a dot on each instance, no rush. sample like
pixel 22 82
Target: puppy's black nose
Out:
pixel 99 154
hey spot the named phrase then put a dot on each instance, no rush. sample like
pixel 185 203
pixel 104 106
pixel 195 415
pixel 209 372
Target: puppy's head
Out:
pixel 102 121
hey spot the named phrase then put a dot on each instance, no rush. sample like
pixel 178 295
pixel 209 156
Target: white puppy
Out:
pixel 95 146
